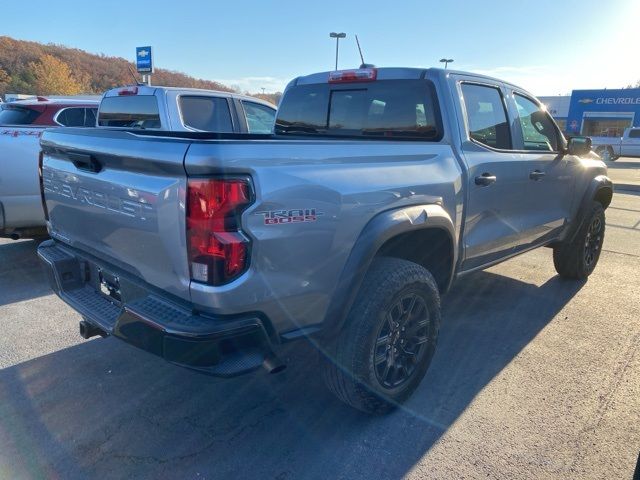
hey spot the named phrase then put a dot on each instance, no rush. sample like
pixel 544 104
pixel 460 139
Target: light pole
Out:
pixel 446 61
pixel 262 90
pixel 337 36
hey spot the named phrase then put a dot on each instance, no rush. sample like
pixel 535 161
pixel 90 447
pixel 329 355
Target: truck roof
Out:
pixel 400 73
pixel 57 101
pixel 150 90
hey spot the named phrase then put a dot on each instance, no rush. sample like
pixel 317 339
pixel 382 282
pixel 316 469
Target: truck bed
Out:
pixel 129 213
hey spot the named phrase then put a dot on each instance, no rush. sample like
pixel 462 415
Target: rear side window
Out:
pixel 486 116
pixel 209 114
pixel 634 133
pixel 260 118
pixel 72 117
pixel 17 115
pixel 387 109
pixel 130 111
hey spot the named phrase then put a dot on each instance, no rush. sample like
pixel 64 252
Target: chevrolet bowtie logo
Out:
pixel 143 53
pixel 586 100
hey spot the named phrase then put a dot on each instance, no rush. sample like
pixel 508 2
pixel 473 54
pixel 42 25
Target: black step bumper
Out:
pixel 219 346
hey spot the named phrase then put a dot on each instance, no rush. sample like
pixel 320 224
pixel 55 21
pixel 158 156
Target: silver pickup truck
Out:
pixel 379 188
pixel 612 148
pixel 184 110
pixel 157 108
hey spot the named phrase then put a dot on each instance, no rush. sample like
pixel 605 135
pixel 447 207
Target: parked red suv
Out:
pixel 42 111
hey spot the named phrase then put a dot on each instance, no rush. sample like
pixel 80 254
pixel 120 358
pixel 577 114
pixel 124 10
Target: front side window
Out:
pixel 486 116
pixel 209 114
pixel 634 133
pixel 260 118
pixel 538 130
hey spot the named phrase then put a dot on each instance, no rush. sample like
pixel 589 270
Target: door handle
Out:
pixel 485 179
pixel 536 175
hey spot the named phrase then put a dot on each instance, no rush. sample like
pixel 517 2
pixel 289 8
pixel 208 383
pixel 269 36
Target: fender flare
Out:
pixel 597 184
pixel 381 228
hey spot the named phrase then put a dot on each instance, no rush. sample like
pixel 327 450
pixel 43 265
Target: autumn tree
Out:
pixel 4 80
pixel 53 77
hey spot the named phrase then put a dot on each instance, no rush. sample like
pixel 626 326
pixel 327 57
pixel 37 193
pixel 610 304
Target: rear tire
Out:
pixel 386 346
pixel 578 258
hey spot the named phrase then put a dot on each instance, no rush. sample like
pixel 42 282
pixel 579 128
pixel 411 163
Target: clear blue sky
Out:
pixel 549 47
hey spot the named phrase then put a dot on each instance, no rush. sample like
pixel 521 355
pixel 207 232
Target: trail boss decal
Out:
pixel 298 215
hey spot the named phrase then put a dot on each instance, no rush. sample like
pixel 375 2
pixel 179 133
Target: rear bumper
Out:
pixel 219 346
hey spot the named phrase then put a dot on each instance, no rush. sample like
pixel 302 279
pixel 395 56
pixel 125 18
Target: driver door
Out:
pixel 551 173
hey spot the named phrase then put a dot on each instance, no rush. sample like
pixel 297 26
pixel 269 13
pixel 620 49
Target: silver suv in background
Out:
pixel 185 110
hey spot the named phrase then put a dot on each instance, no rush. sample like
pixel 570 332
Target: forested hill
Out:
pixel 34 68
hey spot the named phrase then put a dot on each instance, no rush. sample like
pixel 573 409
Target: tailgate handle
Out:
pixel 85 162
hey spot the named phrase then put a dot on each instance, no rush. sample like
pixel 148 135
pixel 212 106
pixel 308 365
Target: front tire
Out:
pixel 387 344
pixel 578 258
pixel 606 154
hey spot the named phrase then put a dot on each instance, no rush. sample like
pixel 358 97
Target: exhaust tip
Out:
pixel 273 364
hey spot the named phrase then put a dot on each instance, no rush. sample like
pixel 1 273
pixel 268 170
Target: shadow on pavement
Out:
pixel 623 165
pixel 106 410
pixel 22 276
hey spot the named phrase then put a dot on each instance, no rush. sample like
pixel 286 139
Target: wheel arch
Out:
pixel 390 233
pixel 600 189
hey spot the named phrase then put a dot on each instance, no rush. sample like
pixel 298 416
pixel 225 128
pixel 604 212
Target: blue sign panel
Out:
pixel 144 60
pixel 602 105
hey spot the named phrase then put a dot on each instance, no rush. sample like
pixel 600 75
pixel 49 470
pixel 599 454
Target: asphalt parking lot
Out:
pixel 534 377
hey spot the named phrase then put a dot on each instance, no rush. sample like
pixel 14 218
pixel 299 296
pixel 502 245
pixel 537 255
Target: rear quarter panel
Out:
pixel 295 266
pixel 19 184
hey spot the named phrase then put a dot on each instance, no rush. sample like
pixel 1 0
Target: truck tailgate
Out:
pixel 120 198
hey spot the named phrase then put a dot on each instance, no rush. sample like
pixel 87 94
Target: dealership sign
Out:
pixel 604 105
pixel 611 101
pixel 144 60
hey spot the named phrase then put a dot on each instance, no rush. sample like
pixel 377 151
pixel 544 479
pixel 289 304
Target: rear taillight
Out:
pixel 218 250
pixel 41 179
pixel 348 76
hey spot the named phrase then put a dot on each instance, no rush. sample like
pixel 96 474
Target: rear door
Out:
pixel 551 174
pixel 121 198
pixel 497 175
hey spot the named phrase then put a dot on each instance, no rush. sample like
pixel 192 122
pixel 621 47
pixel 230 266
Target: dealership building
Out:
pixel 596 113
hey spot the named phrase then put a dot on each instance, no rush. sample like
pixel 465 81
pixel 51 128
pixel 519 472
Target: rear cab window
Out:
pixel 387 109
pixel 129 111
pixel 17 115
pixel 206 113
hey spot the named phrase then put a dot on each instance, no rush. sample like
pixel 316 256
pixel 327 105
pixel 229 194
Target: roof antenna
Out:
pixel 364 65
pixel 135 78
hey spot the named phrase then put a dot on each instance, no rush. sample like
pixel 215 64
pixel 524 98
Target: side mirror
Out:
pixel 579 146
